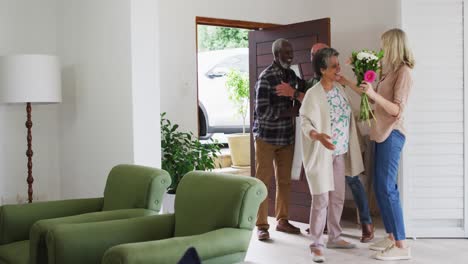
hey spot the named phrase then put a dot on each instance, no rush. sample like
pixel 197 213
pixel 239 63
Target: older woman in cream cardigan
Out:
pixel 330 151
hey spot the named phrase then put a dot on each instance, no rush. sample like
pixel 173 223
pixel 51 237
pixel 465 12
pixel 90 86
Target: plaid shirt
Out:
pixel 271 120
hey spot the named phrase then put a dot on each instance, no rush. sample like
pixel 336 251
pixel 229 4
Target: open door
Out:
pixel 302 36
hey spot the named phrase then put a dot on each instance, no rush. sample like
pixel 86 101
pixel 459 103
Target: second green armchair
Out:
pixel 215 213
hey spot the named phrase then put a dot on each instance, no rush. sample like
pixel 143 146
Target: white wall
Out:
pixel 178 47
pixel 96 113
pixel 110 110
pixel 145 83
pixel 28 27
pixel 93 129
pixel 356 25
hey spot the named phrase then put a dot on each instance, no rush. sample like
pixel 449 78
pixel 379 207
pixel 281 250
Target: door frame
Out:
pixel 221 22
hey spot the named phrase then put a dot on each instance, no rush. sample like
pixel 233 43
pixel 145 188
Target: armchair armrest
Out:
pixel 211 245
pixel 16 220
pixel 87 242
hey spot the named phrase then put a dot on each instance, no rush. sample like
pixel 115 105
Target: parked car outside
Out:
pixel 217 114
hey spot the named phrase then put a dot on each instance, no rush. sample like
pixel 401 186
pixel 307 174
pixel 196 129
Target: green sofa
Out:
pixel 131 191
pixel 215 213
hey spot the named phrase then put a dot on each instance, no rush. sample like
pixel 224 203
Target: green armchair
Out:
pixel 131 191
pixel 215 213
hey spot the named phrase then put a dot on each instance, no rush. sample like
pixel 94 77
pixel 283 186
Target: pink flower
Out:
pixel 370 76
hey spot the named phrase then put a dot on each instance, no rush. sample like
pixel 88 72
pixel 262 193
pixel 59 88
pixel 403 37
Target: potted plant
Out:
pixel 182 152
pixel 237 84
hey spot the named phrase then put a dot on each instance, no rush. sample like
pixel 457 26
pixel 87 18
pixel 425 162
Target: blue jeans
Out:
pixel 360 198
pixel 387 159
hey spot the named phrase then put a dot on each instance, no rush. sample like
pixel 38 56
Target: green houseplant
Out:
pixel 182 152
pixel 237 84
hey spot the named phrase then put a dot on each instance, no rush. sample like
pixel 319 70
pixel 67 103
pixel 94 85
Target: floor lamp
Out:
pixel 30 79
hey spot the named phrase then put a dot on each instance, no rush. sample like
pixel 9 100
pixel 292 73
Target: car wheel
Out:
pixel 203 122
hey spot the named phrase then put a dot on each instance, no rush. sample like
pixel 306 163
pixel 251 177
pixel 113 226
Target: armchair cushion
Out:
pixel 228 241
pixel 16 220
pixel 17 253
pixel 65 243
pixel 39 230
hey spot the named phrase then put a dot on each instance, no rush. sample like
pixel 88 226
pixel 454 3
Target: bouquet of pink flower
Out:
pixel 365 65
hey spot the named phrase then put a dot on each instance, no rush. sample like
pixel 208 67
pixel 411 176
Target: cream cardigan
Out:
pixel 318 160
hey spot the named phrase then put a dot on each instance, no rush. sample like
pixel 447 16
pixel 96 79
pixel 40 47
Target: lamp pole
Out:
pixel 29 152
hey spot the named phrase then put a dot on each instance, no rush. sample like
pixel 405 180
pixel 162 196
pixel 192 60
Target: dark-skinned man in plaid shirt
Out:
pixel 276 90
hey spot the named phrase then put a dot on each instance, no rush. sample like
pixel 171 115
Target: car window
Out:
pixel 239 62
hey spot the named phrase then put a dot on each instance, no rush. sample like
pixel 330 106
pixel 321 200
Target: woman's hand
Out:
pixel 323 138
pixel 368 89
pixel 347 83
pixel 342 80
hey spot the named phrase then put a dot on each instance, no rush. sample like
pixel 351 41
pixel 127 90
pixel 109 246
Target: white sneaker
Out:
pixel 317 258
pixel 382 244
pixel 394 253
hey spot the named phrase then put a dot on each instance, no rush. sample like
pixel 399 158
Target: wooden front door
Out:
pixel 302 36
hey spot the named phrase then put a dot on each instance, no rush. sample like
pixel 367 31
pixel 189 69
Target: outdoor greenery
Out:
pixel 182 152
pixel 218 38
pixel 237 84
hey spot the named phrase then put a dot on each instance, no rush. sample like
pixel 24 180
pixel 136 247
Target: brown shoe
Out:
pixel 367 233
pixel 285 226
pixel 263 234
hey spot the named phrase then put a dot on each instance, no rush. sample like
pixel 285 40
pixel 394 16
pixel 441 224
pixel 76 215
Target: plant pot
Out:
pixel 239 145
pixel 168 204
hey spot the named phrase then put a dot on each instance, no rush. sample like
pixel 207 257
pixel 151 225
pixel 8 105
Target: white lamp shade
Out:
pixel 30 78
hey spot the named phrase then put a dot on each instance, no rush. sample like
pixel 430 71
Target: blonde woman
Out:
pixel 330 151
pixel 389 134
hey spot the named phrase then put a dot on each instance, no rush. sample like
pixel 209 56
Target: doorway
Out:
pixel 302 36
pixel 222 54
pixel 223 89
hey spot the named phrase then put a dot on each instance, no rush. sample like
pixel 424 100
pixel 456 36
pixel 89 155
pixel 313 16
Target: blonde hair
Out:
pixel 396 50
